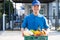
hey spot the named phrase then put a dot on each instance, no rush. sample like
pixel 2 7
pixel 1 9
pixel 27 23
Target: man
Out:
pixel 35 20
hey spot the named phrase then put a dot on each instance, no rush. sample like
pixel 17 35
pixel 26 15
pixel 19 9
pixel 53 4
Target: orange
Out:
pixel 37 33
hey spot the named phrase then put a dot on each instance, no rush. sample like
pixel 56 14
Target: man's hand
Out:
pixel 22 34
pixel 22 30
pixel 47 31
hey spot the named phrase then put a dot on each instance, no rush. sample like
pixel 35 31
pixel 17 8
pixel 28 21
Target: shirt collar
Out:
pixel 39 15
pixel 35 16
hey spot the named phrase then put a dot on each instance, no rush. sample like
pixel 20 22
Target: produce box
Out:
pixel 35 38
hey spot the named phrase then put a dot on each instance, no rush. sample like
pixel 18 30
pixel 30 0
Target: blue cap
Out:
pixel 35 2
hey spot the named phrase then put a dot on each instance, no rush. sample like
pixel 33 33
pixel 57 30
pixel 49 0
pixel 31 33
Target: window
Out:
pixel 54 6
pixel 53 13
pixel 59 14
pixel 31 11
pixel 41 11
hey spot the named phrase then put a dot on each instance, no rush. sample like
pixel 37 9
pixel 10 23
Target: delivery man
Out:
pixel 35 19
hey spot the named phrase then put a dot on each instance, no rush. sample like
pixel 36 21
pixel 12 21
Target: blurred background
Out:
pixel 12 13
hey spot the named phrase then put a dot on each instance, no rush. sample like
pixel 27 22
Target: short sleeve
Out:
pixel 45 23
pixel 24 24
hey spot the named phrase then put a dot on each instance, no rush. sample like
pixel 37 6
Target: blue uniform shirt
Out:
pixel 33 22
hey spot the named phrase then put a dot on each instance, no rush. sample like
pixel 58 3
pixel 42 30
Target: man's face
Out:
pixel 36 9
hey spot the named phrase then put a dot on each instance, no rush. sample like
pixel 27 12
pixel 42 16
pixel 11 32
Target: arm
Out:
pixel 24 24
pixel 22 30
pixel 46 26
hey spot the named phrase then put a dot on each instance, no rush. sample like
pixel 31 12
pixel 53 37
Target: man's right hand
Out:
pixel 22 30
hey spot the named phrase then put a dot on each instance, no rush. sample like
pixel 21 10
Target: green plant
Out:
pixel 7 7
